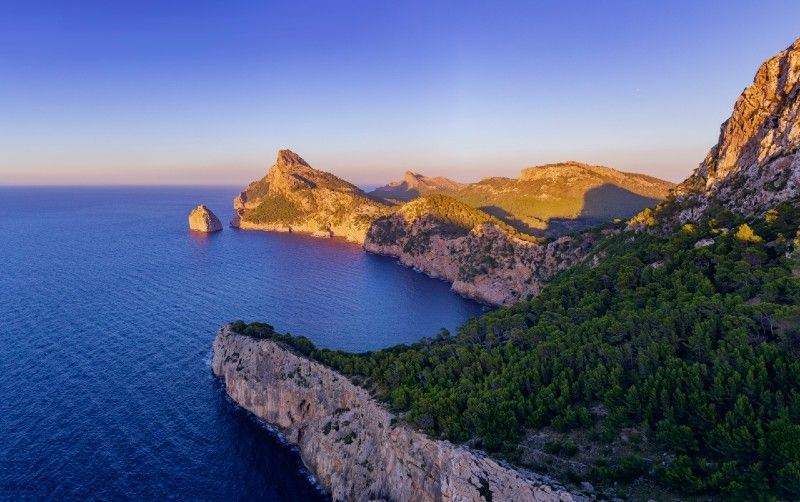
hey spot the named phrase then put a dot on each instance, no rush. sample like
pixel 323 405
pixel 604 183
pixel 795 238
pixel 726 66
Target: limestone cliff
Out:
pixel 355 447
pixel 202 219
pixel 294 197
pixel 755 164
pixel 482 257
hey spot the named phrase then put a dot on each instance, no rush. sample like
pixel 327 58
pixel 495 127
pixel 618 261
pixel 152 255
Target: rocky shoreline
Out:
pixel 353 446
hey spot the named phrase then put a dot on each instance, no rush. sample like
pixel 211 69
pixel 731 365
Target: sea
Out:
pixel 108 308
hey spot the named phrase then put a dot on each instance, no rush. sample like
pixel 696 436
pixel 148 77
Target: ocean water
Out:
pixel 108 306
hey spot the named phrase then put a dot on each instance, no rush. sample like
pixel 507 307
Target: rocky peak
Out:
pixel 287 158
pixel 411 178
pixel 291 172
pixel 413 185
pixel 755 163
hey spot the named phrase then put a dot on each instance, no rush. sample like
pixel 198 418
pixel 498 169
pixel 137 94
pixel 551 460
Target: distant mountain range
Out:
pixel 545 200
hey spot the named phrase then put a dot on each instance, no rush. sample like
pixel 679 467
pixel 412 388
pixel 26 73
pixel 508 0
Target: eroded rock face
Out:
pixel 755 165
pixel 201 219
pixel 294 197
pixel 487 263
pixel 351 443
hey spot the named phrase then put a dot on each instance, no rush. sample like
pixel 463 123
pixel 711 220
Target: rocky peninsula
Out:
pixel 355 447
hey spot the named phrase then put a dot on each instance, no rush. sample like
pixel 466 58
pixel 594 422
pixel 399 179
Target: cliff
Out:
pixel 294 197
pixel 482 257
pixel 351 443
pixel 755 164
pixel 202 219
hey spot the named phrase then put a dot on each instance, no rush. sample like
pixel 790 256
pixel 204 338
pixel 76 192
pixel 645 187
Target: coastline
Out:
pixel 354 447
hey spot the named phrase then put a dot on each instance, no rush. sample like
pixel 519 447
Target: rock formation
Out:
pixel 482 257
pixel 355 447
pixel 412 186
pixel 294 197
pixel 755 164
pixel 201 219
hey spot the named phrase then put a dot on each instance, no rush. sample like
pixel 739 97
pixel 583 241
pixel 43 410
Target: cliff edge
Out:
pixel 351 443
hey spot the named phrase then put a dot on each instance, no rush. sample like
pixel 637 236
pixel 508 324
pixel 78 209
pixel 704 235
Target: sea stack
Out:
pixel 201 219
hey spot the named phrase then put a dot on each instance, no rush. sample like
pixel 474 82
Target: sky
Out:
pixel 206 92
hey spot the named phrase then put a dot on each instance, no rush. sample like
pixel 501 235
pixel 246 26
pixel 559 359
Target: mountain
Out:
pixel 549 200
pixel 412 186
pixel 755 164
pixel 295 197
pixel 556 198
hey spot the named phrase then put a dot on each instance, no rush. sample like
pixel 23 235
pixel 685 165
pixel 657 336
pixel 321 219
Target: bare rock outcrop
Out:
pixel 354 447
pixel 202 219
pixel 755 164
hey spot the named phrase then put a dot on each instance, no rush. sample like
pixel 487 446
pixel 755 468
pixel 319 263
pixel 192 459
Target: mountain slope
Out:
pixel 545 200
pixel 294 197
pixel 556 198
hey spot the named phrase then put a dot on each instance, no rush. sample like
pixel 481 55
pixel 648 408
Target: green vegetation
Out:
pixel 459 217
pixel 276 209
pixel 694 344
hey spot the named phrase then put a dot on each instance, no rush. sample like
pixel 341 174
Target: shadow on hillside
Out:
pixel 503 215
pixel 610 201
pixel 600 204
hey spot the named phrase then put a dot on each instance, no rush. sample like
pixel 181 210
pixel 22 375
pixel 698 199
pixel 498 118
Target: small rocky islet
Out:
pixel 202 219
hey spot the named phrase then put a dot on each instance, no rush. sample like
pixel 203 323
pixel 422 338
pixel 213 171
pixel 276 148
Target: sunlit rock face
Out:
pixel 354 446
pixel 295 197
pixel 201 219
pixel 755 164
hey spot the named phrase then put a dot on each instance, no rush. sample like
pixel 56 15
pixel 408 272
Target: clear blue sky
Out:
pixel 207 91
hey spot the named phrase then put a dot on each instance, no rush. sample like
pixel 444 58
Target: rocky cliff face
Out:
pixel 294 197
pixel 755 165
pixel 352 444
pixel 482 257
pixel 201 219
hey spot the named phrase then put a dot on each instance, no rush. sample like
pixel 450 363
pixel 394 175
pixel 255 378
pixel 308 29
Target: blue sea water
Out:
pixel 108 306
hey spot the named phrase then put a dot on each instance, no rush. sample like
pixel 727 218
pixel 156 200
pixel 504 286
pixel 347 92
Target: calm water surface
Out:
pixel 108 306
